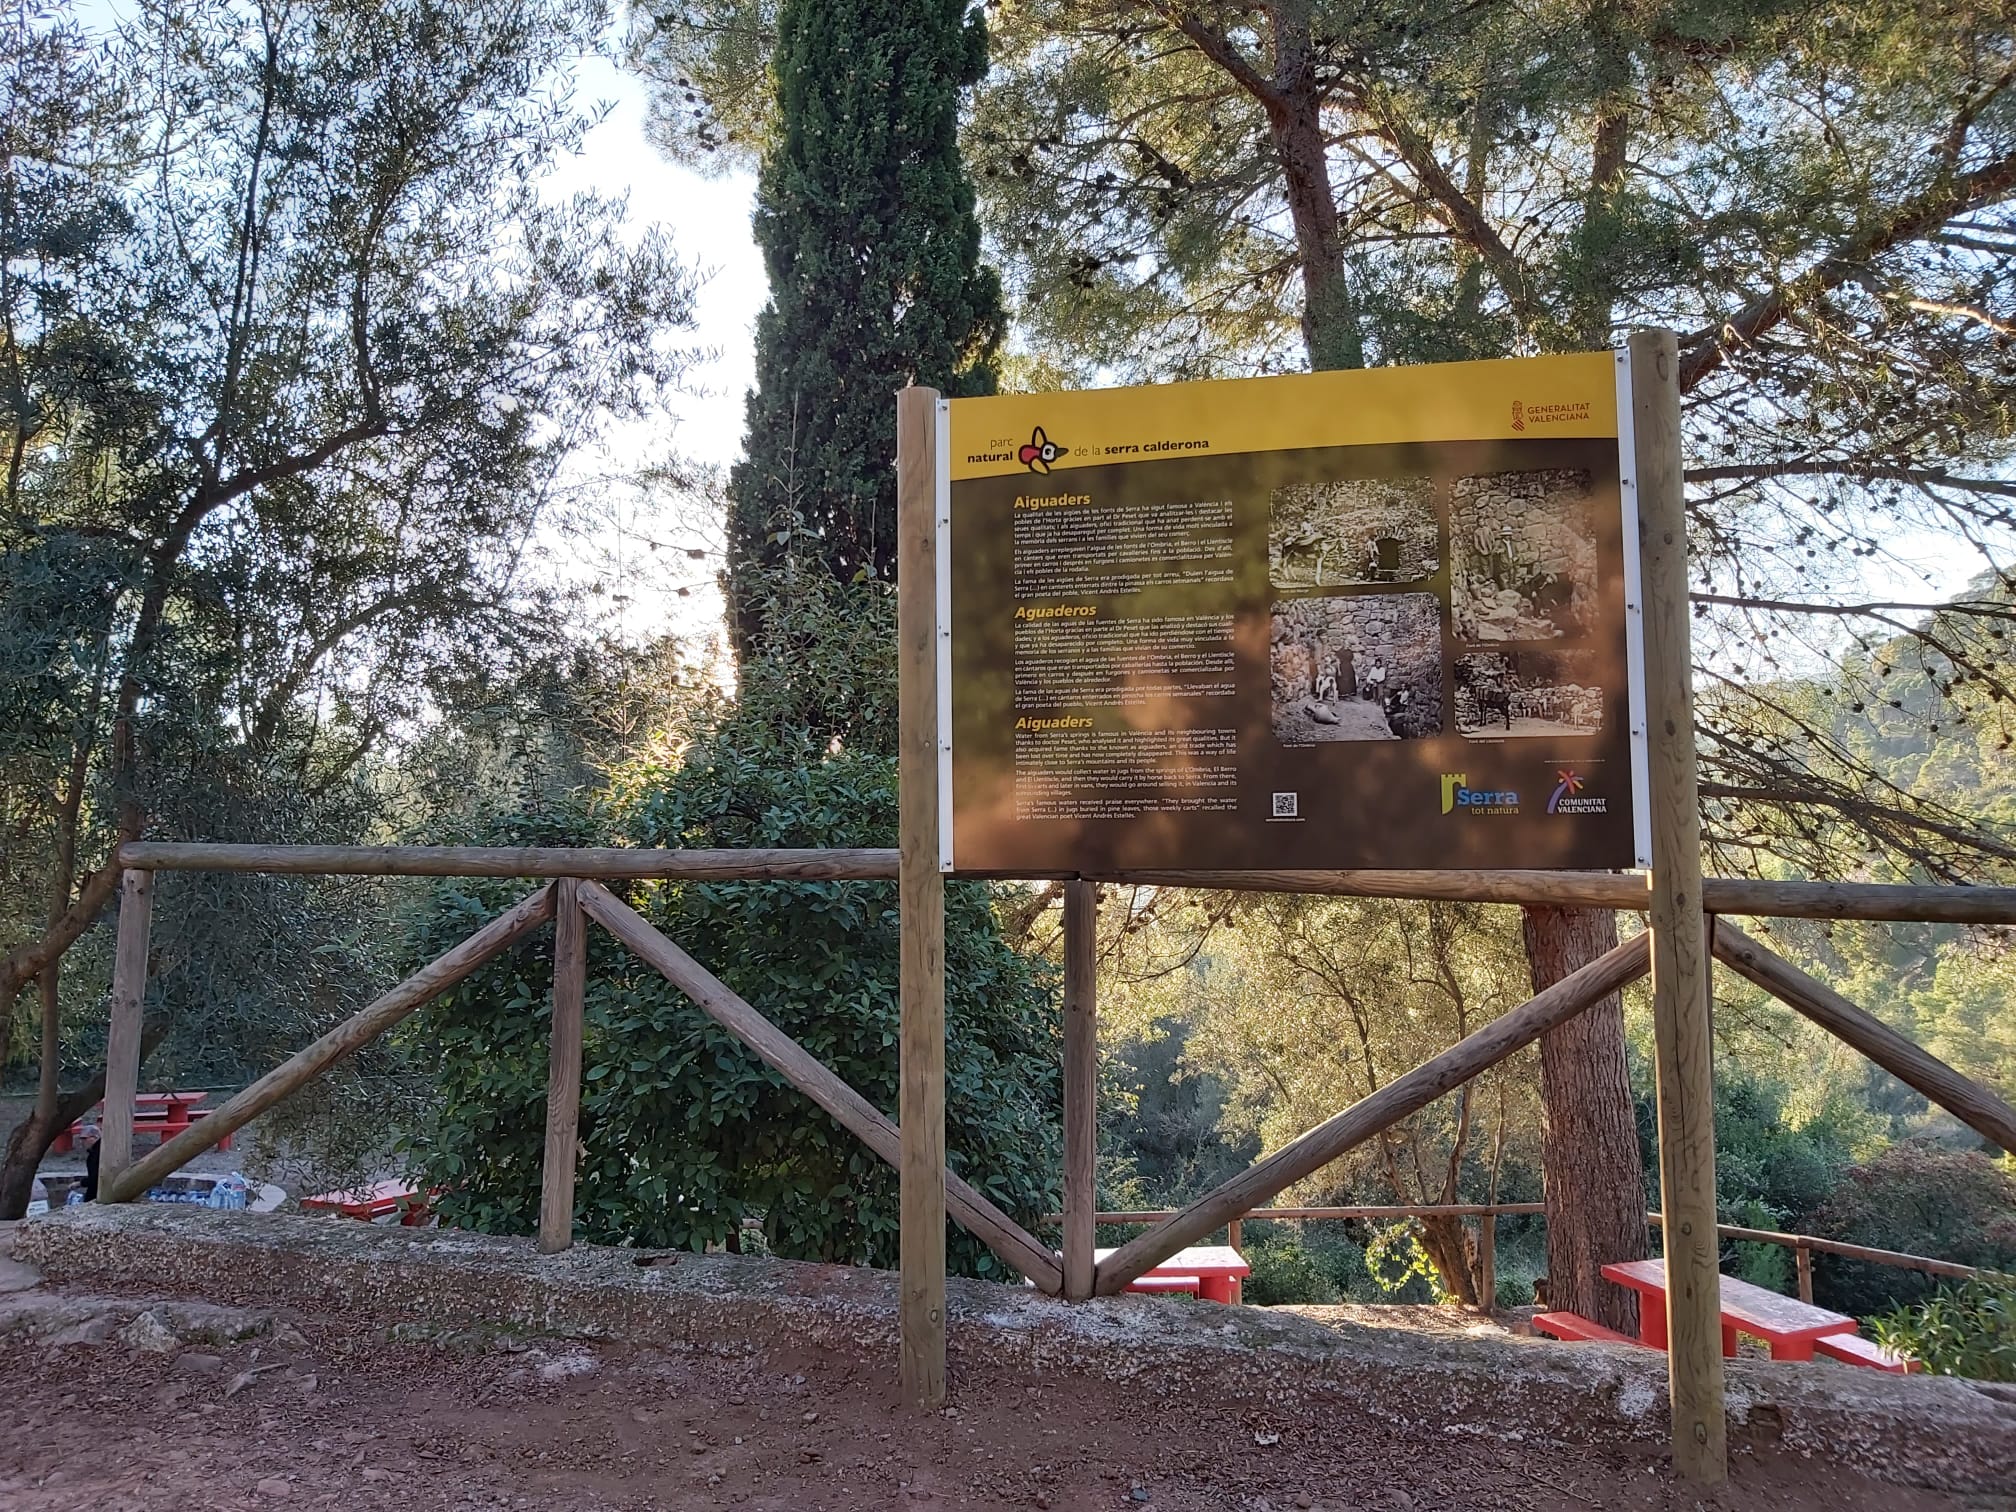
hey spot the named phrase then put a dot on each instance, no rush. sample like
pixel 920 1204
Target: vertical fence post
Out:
pixel 920 901
pixel 122 1041
pixel 563 1070
pixel 1081 1083
pixel 1682 1029
pixel 1487 1261
pixel 1803 1258
pixel 1235 1234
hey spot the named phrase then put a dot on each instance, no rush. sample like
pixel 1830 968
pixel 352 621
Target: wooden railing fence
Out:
pixel 575 897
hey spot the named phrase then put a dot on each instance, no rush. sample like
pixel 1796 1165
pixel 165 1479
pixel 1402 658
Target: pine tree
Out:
pixel 866 221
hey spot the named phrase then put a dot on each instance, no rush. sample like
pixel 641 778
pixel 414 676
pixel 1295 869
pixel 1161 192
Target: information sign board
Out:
pixel 1375 619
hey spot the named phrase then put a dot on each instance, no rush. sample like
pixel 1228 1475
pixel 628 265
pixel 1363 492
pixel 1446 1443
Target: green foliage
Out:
pixel 1966 1330
pixel 1284 1271
pixel 268 482
pixel 1921 1200
pixel 1397 1262
pixel 686 1134
pixel 866 223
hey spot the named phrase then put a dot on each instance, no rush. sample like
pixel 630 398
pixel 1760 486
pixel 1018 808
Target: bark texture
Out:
pixel 1589 1131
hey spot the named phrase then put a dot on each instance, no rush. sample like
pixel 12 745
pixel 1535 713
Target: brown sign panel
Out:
pixel 1380 619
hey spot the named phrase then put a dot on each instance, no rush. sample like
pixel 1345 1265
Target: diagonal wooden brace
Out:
pixel 1365 1118
pixel 1966 1099
pixel 784 1055
pixel 426 984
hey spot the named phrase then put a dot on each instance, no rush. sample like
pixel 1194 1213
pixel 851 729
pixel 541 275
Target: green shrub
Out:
pixel 1923 1200
pixel 1967 1330
pixel 684 1133
pixel 1284 1270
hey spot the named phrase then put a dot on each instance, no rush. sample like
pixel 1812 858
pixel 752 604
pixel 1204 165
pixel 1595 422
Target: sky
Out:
pixel 708 219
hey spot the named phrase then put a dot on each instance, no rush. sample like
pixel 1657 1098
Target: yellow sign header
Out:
pixel 1520 398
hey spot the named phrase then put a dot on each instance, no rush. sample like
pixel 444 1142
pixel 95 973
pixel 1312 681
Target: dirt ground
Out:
pixel 319 1413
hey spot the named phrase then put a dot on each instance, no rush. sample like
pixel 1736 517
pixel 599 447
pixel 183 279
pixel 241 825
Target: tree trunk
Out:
pixel 1447 1243
pixel 1589 1128
pixel 1295 120
pixel 31 1138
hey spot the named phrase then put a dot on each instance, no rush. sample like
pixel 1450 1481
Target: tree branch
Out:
pixel 1915 218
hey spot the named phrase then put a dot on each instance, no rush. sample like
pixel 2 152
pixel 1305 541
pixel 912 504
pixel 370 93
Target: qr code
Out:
pixel 1285 806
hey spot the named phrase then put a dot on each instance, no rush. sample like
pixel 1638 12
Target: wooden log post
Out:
pixel 920 891
pixel 563 1070
pixel 1966 1099
pixel 1235 1234
pixel 122 1040
pixel 1487 1262
pixel 1081 1084
pixel 803 1070
pixel 1398 1099
pixel 1802 1257
pixel 1682 1030
pixel 355 1032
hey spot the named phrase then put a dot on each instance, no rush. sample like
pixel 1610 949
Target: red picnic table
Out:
pixel 165 1114
pixel 379 1200
pixel 1792 1328
pixel 1210 1271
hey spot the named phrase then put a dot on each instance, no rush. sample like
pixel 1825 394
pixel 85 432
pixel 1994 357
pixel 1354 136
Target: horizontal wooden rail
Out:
pixel 514 861
pixel 1311 1214
pixel 1901 903
pixel 1846 1250
pixel 806 1072
pixel 1814 1242
pixel 1583 889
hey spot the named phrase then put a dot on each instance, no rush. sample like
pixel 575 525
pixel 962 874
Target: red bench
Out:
pixel 162 1114
pixel 1191 1285
pixel 380 1200
pixel 1853 1349
pixel 1575 1328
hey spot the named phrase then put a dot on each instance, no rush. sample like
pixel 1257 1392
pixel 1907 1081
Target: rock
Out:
pixel 377 1473
pixel 18 1276
pixel 274 1487
pixel 1305 1500
pixel 568 1366
pixel 151 1333
pixel 90 1331
pixel 195 1362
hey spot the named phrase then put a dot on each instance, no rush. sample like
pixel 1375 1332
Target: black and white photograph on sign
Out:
pixel 1352 534
pixel 1364 668
pixel 1522 549
pixel 1520 693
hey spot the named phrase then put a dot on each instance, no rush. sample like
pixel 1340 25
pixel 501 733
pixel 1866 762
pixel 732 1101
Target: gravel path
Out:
pixel 132 1404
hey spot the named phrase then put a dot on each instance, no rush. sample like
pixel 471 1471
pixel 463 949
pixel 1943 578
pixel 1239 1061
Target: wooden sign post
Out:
pixel 122 1043
pixel 1081 1084
pixel 1682 1027
pixel 920 885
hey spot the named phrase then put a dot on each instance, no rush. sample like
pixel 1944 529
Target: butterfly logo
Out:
pixel 1040 452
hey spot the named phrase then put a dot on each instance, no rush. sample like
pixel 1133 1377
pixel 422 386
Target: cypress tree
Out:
pixel 866 222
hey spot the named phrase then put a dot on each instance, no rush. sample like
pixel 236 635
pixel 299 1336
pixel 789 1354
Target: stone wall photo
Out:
pixel 1522 549
pixel 1353 533
pixel 1364 668
pixel 1519 693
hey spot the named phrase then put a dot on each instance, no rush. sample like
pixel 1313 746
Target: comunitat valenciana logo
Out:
pixel 1568 797
pixel 1459 797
